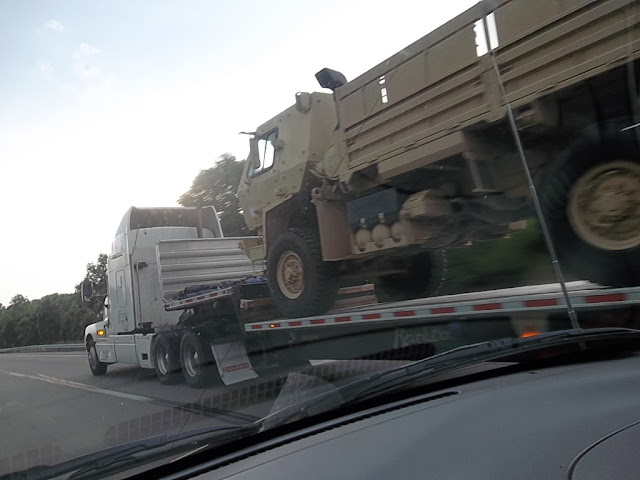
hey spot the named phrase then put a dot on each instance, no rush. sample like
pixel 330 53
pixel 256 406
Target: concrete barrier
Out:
pixel 69 347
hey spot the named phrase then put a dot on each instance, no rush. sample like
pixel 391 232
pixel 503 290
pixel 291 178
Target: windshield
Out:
pixel 389 182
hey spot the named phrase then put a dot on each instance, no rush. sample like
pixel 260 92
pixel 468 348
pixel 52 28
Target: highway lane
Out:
pixel 52 408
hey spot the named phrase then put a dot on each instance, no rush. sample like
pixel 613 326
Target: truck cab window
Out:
pixel 266 153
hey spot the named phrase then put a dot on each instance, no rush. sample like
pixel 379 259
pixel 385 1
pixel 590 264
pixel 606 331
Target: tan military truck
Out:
pixel 422 152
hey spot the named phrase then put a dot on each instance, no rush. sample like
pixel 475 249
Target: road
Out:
pixel 52 408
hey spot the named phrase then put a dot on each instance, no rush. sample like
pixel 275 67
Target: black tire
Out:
pixel 166 358
pixel 583 259
pixel 317 290
pixel 197 362
pixel 425 277
pixel 97 367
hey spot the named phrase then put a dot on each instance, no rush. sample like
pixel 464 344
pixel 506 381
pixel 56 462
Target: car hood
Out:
pixel 574 421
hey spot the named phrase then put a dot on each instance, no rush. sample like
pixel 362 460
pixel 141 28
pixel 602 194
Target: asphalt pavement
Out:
pixel 52 408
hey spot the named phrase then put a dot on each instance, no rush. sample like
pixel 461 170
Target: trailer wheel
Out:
pixel 97 367
pixel 167 360
pixel 591 201
pixel 197 362
pixel 426 273
pixel 300 282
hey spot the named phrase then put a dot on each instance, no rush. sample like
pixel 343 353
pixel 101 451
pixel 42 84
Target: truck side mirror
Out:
pixel 86 291
pixel 254 157
pixel 277 143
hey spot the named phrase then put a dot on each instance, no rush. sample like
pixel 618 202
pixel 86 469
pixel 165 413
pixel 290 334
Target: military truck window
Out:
pixel 266 153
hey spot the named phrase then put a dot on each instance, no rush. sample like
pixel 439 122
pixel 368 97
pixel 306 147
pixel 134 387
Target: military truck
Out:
pixel 427 150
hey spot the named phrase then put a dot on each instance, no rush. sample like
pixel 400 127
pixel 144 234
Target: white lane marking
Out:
pixel 82 386
pixel 57 355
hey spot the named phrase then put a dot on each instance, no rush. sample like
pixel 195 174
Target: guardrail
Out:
pixel 69 347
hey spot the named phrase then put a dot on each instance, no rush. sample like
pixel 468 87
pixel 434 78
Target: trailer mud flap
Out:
pixel 233 362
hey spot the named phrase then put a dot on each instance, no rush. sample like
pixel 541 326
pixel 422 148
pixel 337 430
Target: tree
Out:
pixel 97 276
pixel 218 186
pixel 519 260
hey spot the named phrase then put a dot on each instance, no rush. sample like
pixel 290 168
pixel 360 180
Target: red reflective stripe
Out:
pixel 371 316
pixel 488 306
pixel 317 321
pixel 188 300
pixel 440 310
pixel 612 297
pixel 256 327
pixel 404 313
pixel 295 323
pixel 201 297
pixel 545 302
pixel 343 319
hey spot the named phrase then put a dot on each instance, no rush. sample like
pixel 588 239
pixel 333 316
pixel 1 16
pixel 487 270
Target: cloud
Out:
pixel 86 71
pixel 81 67
pixel 85 50
pixel 45 68
pixel 54 25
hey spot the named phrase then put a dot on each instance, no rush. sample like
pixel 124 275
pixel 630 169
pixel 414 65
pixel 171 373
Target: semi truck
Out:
pixel 187 302
pixel 451 141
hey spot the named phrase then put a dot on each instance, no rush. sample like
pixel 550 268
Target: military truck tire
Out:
pixel 300 282
pixel 97 367
pixel 166 359
pixel 425 277
pixel 590 196
pixel 196 359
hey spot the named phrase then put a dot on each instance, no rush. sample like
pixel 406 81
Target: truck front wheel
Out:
pixel 97 367
pixel 197 362
pixel 300 282
pixel 591 200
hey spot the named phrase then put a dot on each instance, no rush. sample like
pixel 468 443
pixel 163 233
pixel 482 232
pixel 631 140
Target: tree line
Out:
pixel 55 318
pixel 519 260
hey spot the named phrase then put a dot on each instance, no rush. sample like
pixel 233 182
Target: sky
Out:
pixel 110 104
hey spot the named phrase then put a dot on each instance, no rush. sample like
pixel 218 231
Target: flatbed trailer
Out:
pixel 189 303
pixel 403 330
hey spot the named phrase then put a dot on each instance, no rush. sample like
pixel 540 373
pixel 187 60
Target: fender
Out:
pixel 92 331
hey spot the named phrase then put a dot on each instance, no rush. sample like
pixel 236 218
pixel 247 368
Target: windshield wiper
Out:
pixel 385 381
pixel 105 462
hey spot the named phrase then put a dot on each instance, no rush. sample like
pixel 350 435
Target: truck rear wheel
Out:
pixel 97 367
pixel 166 359
pixel 197 362
pixel 425 276
pixel 591 201
pixel 300 282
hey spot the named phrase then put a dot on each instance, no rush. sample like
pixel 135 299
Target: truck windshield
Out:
pixel 170 217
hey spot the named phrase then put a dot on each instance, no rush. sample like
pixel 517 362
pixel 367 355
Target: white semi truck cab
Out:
pixel 134 312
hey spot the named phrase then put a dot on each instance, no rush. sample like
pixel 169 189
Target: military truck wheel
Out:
pixel 197 362
pixel 166 359
pixel 425 276
pixel 97 367
pixel 300 282
pixel 591 200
